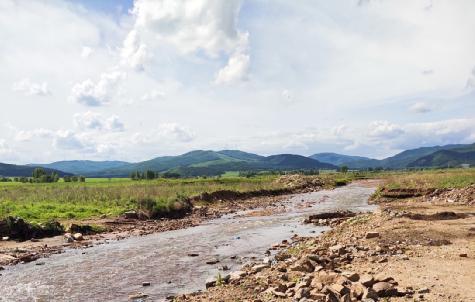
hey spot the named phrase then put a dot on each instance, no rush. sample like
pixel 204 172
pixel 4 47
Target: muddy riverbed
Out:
pixel 113 271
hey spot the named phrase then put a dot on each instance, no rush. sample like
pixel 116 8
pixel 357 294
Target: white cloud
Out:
pixel 95 121
pixel 189 26
pixel 30 88
pixel 175 131
pixel 420 107
pixel 4 148
pixel 67 140
pixel 384 130
pixel 93 94
pixel 235 70
pixel 86 52
pixel 153 95
pixel 28 135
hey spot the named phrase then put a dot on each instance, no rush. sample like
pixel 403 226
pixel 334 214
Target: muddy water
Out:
pixel 110 272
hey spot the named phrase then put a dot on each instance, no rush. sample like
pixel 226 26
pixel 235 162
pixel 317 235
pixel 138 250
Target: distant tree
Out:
pixel 344 169
pixel 38 172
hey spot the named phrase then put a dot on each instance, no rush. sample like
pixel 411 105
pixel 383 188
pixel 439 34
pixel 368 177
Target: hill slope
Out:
pixel 206 162
pixel 447 158
pixel 82 167
pixel 338 159
pixel 19 170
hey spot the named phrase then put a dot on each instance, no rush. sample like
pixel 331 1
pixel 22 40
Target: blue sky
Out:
pixel 134 80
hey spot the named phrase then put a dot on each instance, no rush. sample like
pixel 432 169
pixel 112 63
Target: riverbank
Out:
pixel 205 207
pixel 412 249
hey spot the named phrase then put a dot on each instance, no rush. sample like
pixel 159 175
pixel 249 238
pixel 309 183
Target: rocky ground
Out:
pixel 416 249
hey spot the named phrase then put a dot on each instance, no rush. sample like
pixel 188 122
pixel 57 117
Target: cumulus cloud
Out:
pixel 86 52
pixel 420 107
pixel 67 140
pixel 92 94
pixel 235 70
pixel 169 132
pixel 30 88
pixel 190 26
pixel 384 130
pixel 4 148
pixel 28 135
pixel 96 121
pixel 153 95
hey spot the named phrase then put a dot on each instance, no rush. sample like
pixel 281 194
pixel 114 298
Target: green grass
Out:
pixel 96 197
pixel 440 178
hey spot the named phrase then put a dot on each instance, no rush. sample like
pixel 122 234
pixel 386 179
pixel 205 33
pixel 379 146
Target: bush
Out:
pixel 152 209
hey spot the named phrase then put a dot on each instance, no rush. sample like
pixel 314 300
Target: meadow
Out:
pixel 437 178
pixel 40 202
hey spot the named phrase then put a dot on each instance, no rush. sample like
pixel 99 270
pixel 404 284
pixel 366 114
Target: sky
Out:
pixel 132 80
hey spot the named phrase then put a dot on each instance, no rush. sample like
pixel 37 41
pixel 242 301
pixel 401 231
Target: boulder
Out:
pixel 68 238
pixel 259 267
pixel 303 265
pixel 367 280
pixel 384 289
pixel 370 235
pixel 237 275
pixel 352 276
pixel 78 237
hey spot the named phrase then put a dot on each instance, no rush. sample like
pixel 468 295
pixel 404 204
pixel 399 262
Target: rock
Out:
pixel 357 289
pixel 369 293
pixel 130 215
pixel 382 278
pixel 137 296
pixel 370 235
pixel 145 283
pixel 259 267
pixel 423 290
pixel 339 289
pixel 464 255
pixel 68 237
pixel 78 236
pixel 237 275
pixel 5 238
pixel 212 261
pixel 302 293
pixel 303 265
pixel 367 280
pixel 353 277
pixel 193 255
pixel 385 289
pixel 266 260
pixel 39 263
pixel 82 228
pixel 282 256
pixel 337 249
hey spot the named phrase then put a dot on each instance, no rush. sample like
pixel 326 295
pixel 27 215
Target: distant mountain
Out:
pixel 82 167
pixel 405 159
pixel 206 162
pixel 338 159
pixel 447 158
pixel 20 171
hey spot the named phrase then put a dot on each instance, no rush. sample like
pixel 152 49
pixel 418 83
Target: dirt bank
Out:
pixel 395 254
pixel 206 206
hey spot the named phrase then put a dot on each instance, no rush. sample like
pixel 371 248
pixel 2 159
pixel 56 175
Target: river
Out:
pixel 112 271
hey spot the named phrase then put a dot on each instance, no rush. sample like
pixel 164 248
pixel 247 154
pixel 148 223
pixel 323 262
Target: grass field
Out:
pixel 443 179
pixel 96 197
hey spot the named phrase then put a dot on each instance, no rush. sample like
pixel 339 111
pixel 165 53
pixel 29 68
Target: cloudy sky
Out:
pixel 132 80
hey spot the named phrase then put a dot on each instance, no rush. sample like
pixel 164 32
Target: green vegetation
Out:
pixel 440 178
pixel 40 202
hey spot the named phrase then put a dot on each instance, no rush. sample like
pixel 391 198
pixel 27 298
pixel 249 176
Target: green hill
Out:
pixel 82 167
pixel 447 158
pixel 206 162
pixel 9 170
pixel 338 159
